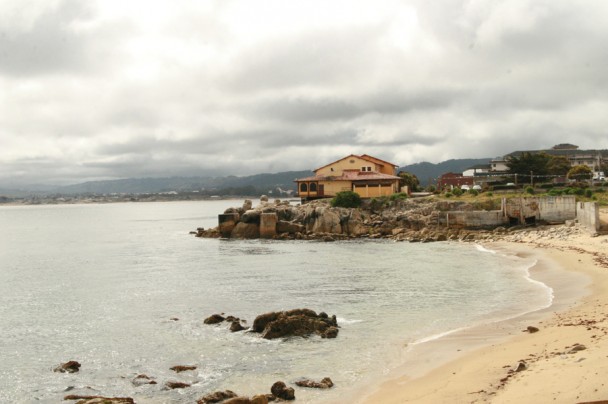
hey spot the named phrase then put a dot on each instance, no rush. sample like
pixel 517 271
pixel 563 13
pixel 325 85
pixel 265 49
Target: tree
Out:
pixel 558 165
pixel 408 179
pixel 529 162
pixel 580 173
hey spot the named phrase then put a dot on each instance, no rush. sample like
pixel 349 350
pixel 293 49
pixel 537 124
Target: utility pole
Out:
pixel 532 179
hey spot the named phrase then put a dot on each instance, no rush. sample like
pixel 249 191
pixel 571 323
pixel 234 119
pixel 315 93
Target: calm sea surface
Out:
pixel 100 283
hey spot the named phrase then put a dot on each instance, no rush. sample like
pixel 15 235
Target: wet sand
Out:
pixel 565 361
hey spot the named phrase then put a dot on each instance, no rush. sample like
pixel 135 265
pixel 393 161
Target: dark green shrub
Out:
pixel 588 193
pixel 530 190
pixel 400 195
pixel 448 194
pixel 457 192
pixel 489 194
pixel 473 192
pixel 578 191
pixel 346 199
pixel 555 192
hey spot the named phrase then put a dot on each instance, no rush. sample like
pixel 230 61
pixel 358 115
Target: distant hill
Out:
pixel 428 173
pixel 259 183
pixel 229 185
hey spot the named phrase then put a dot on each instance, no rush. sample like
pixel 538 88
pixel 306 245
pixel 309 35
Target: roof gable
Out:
pixel 362 157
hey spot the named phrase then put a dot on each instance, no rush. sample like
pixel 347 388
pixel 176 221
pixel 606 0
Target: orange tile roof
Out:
pixel 364 157
pixel 351 175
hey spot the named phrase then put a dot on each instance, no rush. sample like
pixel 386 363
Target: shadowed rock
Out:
pixel 216 397
pixel 280 390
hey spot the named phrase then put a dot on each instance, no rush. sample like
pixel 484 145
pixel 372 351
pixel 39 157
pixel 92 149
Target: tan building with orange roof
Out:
pixel 366 175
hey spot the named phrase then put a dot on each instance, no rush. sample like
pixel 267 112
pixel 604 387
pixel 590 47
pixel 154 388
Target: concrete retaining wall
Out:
pixel 588 214
pixel 473 219
pixel 550 209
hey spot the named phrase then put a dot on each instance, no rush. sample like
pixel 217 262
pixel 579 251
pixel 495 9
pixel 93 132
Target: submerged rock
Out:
pixel 325 383
pixel 176 385
pixel 100 399
pixel 142 379
pixel 68 367
pixel 182 368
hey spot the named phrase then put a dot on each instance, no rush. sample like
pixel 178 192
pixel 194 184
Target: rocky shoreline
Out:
pixel 411 220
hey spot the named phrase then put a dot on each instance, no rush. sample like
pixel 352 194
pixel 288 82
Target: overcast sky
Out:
pixel 143 88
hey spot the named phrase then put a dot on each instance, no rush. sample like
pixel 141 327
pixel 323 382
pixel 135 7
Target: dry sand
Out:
pixel 565 361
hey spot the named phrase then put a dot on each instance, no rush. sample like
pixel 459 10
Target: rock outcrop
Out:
pixel 298 322
pixel 415 220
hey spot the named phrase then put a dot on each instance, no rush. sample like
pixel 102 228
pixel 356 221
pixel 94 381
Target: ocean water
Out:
pixel 100 284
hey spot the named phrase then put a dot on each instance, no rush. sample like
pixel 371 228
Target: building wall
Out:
pixel 331 188
pixel 349 163
pixel 374 191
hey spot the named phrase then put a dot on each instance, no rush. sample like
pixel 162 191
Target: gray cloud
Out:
pixel 90 91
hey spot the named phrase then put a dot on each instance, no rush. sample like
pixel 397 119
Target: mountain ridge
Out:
pixel 426 172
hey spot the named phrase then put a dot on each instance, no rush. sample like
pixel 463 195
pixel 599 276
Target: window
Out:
pixel 303 187
pixel 313 187
pixel 366 169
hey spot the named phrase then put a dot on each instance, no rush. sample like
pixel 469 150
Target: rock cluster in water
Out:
pixel 283 324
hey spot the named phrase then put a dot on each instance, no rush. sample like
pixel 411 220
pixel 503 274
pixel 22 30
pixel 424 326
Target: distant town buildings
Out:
pixel 497 169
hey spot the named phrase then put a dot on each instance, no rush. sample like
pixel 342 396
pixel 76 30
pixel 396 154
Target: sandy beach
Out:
pixel 565 361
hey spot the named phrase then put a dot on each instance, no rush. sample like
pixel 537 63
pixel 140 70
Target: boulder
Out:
pixel 280 390
pixel 262 320
pixel 289 227
pixel 251 216
pixel 531 329
pixel 327 221
pixel 182 368
pixel 214 319
pixel 227 223
pixel 246 230
pixel 263 198
pixel 247 205
pixel 68 367
pixel 216 397
pixel 237 400
pixel 325 383
pixel 259 399
pixel 236 326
